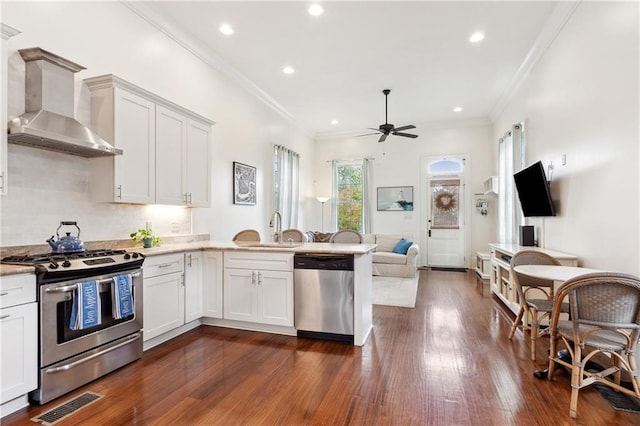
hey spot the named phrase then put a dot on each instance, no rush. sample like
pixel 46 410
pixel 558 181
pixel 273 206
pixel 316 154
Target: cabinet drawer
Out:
pixel 259 260
pixel 161 265
pixel 17 289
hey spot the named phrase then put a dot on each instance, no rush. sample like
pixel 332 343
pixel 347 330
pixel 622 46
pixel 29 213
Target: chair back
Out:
pixel 247 235
pixel 531 257
pixel 606 300
pixel 294 235
pixel 346 236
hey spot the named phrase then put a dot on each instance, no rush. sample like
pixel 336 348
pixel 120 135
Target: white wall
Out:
pixel 398 162
pixel 582 100
pixel 108 38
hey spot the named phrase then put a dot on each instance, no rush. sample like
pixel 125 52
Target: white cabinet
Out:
pixel 193 274
pixel 212 291
pixel 163 294
pixel 127 121
pixel 258 287
pixel 182 160
pixel 18 336
pixel 6 32
pixel 166 148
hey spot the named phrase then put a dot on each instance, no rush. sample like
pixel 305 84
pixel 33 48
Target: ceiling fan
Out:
pixel 389 129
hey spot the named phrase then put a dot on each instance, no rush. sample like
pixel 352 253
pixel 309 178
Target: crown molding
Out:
pixel 211 58
pixel 6 32
pixel 554 25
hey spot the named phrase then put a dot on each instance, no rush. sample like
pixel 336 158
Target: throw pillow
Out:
pixel 402 247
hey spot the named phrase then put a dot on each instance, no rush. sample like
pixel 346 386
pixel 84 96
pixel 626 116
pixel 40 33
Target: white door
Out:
pixel 445 208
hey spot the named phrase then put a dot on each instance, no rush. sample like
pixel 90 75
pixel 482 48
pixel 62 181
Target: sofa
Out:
pixel 384 261
pixel 387 263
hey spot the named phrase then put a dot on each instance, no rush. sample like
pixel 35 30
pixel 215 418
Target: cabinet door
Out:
pixel 212 284
pixel 134 133
pixel 198 164
pixel 239 294
pixel 19 350
pixel 171 147
pixel 192 286
pixel 275 297
pixel 163 298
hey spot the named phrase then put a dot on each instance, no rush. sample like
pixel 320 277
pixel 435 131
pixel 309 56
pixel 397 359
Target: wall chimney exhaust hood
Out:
pixel 48 122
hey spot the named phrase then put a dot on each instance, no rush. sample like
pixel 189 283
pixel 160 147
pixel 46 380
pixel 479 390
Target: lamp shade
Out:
pixel 322 199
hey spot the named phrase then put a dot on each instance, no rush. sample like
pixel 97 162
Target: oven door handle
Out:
pixel 90 357
pixel 67 288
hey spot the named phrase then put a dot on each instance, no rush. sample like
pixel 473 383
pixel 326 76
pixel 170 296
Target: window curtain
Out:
pixel 333 223
pixel 510 161
pixel 286 197
pixel 366 196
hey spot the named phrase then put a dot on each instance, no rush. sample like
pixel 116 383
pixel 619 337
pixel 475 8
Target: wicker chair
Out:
pixel 293 235
pixel 605 317
pixel 346 236
pixel 247 235
pixel 536 309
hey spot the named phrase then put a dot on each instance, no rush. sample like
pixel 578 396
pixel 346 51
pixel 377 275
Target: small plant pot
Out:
pixel 147 242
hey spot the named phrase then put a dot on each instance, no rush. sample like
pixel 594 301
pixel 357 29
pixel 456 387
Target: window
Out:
pixel 510 160
pixel 349 195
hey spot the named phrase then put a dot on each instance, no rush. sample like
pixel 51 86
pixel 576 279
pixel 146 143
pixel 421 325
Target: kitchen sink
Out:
pixel 270 244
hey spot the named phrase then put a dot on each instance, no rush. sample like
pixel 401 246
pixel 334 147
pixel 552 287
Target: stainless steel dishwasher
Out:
pixel 324 296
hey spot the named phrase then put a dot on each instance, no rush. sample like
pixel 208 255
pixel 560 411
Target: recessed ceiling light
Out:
pixel 288 70
pixel 476 37
pixel 457 109
pixel 315 10
pixel 226 29
pixel 334 122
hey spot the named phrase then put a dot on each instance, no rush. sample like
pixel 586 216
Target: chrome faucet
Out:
pixel 278 225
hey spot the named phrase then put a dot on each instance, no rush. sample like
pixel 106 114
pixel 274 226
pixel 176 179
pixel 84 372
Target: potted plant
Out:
pixel 146 236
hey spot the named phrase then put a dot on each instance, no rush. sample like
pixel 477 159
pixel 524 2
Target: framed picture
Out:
pixel 395 198
pixel 244 184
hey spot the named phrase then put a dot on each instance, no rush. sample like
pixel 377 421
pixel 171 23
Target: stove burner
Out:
pixel 60 257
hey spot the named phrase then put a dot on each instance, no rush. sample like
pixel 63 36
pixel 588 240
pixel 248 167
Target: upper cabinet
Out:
pixel 6 32
pixel 167 149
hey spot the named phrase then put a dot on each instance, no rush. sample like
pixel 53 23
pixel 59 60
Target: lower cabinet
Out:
pixel 193 283
pixel 256 295
pixel 18 337
pixel 163 294
pixel 212 291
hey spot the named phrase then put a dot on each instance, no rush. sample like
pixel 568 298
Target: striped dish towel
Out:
pixel 122 296
pixel 86 311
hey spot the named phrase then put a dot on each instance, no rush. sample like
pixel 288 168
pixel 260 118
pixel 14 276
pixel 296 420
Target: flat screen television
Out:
pixel 533 191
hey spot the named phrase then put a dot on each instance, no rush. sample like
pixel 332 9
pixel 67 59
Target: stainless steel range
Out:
pixel 70 358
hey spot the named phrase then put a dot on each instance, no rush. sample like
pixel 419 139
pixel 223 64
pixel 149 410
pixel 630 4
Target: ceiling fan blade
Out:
pixel 399 129
pixel 382 138
pixel 377 130
pixel 406 135
pixel 366 134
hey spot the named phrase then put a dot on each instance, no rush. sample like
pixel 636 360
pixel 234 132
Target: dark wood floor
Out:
pixel 446 362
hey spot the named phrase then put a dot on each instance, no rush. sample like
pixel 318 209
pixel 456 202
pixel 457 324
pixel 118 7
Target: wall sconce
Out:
pixel 322 200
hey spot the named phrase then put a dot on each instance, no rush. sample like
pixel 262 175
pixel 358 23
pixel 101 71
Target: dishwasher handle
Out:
pixel 323 262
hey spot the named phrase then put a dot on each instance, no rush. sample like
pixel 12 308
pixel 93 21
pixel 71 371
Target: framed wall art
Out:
pixel 244 184
pixel 395 198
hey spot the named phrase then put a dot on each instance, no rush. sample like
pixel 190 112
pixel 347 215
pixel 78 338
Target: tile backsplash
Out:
pixel 46 187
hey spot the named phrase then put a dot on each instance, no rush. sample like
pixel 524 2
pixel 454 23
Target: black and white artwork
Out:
pixel 244 184
pixel 395 198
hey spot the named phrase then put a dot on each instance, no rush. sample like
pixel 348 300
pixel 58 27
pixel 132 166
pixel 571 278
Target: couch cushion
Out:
pixel 388 257
pixel 402 246
pixel 386 242
pixel 368 238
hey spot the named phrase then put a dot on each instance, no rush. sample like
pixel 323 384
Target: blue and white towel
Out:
pixel 86 311
pixel 122 296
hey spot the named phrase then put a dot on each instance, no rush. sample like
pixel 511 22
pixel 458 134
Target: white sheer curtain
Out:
pixel 333 222
pixel 510 160
pixel 286 195
pixel 366 196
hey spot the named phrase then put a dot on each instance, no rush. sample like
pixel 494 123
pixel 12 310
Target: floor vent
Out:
pixel 65 409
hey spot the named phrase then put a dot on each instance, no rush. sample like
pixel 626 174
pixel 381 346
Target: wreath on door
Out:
pixel 445 201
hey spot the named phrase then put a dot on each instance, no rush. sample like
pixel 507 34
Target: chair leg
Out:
pixel 535 329
pixel 516 322
pixel 576 379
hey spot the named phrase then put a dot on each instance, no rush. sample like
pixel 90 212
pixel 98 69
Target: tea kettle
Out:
pixel 68 243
